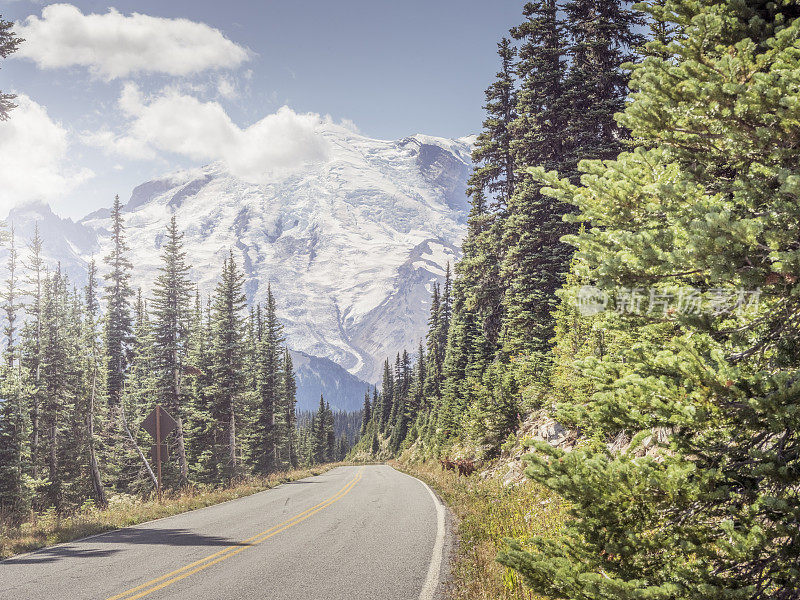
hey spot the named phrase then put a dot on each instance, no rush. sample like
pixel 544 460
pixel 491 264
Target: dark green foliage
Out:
pixel 366 413
pixel 8 45
pixel 15 482
pixel 71 413
pixel 11 301
pixel 707 201
pixel 533 257
pixel 269 411
pixel 228 354
pixel 118 294
pixel 288 442
pixel 170 309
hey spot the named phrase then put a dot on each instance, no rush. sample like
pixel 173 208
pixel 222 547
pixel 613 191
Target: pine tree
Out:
pixel 32 342
pixel 201 426
pixel 289 404
pixel 433 382
pixel 57 383
pixel 319 438
pixel 478 290
pixel 118 325
pixel 141 392
pixel 534 258
pixel 386 396
pixel 329 435
pixel 15 483
pixel 602 37
pixel 8 45
pixel 494 175
pixel 366 413
pixel 171 297
pixel 93 359
pixel 228 353
pixel 270 413
pixel 11 303
pixel 707 202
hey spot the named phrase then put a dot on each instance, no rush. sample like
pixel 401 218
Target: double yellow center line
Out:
pixel 168 579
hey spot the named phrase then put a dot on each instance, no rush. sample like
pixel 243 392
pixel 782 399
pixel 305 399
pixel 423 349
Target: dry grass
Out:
pixel 487 512
pixel 48 528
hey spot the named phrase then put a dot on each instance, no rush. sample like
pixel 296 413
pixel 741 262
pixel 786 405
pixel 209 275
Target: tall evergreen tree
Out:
pixel 93 359
pixel 534 258
pixel 319 439
pixel 32 342
pixel 228 353
pixel 433 382
pixel 118 294
pixel 11 301
pixel 603 35
pixel 329 435
pixel 15 483
pixel 171 298
pixel 384 402
pixel 493 155
pixel 366 413
pixel 289 404
pixel 270 412
pixel 9 43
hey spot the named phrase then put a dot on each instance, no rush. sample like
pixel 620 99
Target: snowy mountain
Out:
pixel 350 245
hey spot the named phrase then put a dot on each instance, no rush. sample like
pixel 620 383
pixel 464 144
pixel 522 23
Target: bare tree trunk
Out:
pixel 35 435
pixel 181 446
pixel 135 445
pixel 182 453
pixel 232 442
pixel 97 481
pixel 53 464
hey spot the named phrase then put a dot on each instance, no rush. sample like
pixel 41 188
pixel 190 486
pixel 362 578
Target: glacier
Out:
pixel 351 245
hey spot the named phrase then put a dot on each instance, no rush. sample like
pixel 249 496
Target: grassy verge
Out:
pixel 48 528
pixel 486 512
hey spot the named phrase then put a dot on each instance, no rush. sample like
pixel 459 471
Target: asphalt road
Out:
pixel 354 532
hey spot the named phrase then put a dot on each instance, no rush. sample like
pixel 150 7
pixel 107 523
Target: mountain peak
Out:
pixel 351 245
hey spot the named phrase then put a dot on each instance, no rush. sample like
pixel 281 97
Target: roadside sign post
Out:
pixel 158 424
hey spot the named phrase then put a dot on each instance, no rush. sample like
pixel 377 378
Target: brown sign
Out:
pixel 167 422
pixel 154 452
pixel 158 424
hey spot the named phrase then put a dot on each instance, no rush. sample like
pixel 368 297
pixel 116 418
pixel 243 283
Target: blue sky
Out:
pixel 109 100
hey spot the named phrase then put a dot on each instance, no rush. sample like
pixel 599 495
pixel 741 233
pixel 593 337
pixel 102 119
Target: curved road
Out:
pixel 354 532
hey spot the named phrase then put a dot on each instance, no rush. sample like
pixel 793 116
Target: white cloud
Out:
pixel 34 150
pixel 114 45
pixel 226 88
pixel 175 122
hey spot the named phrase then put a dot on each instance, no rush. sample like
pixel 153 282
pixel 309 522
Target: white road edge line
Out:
pixel 434 570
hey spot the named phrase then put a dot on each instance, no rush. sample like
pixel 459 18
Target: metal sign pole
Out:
pixel 159 423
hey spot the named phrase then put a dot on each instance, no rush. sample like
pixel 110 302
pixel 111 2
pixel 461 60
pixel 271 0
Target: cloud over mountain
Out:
pixel 172 121
pixel 35 162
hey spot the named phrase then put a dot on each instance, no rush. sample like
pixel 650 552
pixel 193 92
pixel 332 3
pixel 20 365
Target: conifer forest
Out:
pixel 623 319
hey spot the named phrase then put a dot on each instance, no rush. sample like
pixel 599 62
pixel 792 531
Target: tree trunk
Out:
pixel 181 446
pixel 135 445
pixel 53 466
pixel 97 481
pixel 35 436
pixel 182 453
pixel 232 442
